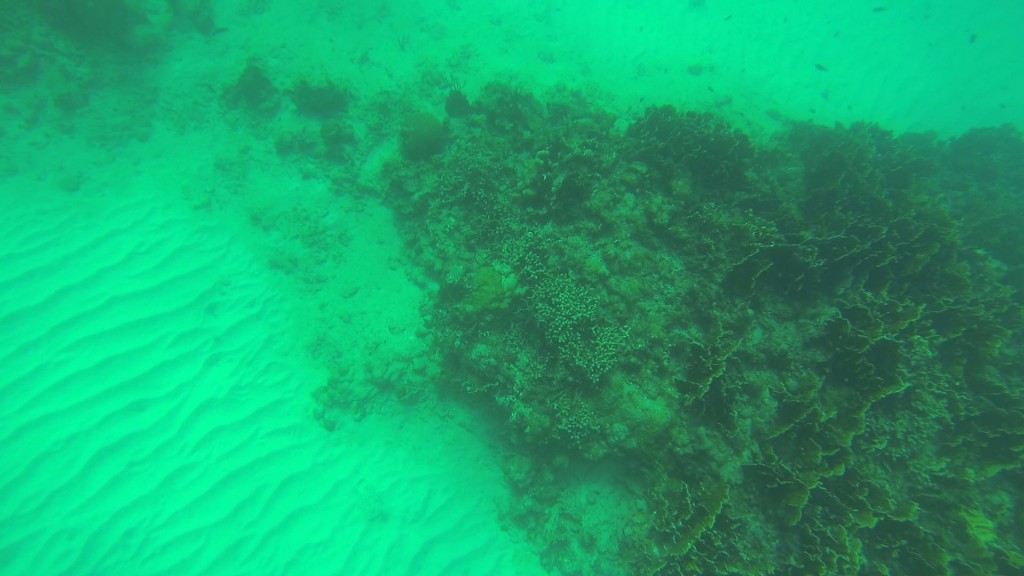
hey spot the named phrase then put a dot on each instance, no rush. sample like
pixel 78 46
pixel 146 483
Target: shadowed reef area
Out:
pixel 796 356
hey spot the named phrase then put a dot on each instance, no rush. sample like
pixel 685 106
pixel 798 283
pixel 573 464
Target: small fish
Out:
pixel 820 68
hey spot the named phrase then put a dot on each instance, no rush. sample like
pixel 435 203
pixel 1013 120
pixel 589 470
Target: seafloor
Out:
pixel 694 336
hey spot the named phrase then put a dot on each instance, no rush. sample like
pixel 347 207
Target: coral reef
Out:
pixel 133 24
pixel 800 354
pixel 422 136
pixel 322 100
pixel 253 91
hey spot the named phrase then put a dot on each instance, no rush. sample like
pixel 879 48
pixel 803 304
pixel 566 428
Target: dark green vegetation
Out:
pixel 253 91
pixel 799 356
pixel 422 136
pixel 123 23
pixel 63 47
pixel 324 100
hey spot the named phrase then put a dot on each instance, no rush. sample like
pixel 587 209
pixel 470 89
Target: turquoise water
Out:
pixel 463 288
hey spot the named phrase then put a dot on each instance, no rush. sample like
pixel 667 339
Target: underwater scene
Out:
pixel 523 288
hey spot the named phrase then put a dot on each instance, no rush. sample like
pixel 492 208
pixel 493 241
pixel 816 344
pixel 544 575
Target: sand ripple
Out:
pixel 154 419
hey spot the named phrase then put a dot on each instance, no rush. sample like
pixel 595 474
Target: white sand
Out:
pixel 154 415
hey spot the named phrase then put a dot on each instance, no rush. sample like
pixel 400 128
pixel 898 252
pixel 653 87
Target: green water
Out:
pixel 468 288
